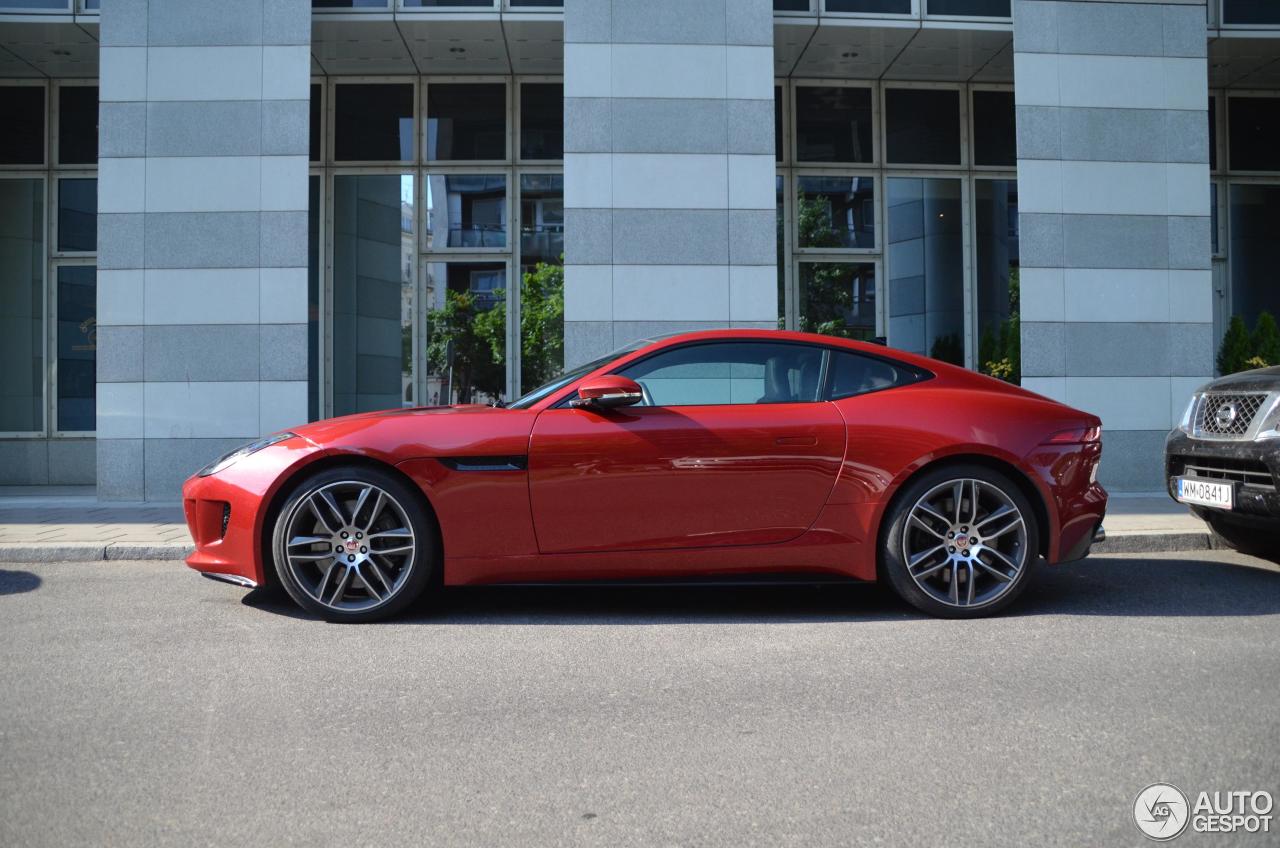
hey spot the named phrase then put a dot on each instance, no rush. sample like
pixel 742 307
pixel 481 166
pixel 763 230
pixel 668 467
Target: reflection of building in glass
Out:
pixel 467 210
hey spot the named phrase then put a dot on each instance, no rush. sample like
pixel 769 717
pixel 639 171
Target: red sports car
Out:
pixel 737 454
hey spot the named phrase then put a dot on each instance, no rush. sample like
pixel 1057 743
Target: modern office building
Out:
pixel 218 219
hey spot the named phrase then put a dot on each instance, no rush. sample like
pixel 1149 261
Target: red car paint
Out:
pixel 653 492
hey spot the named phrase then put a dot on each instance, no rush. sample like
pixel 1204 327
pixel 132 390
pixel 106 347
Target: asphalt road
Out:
pixel 143 705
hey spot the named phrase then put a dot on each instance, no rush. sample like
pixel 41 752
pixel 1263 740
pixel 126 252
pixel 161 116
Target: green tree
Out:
pixel 1236 347
pixel 1266 340
pixel 1000 350
pixel 461 345
pixel 476 338
pixel 828 295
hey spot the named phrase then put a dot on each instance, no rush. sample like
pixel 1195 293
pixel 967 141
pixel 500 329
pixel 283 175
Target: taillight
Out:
pixel 1075 436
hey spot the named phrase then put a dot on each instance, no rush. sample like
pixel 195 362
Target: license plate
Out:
pixel 1204 493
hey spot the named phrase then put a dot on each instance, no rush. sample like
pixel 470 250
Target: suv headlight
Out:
pixel 227 460
pixel 1185 424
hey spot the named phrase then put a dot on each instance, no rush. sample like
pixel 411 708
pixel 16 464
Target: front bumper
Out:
pixel 1253 498
pixel 226 511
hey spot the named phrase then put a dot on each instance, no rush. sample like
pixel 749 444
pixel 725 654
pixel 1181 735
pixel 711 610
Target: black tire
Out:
pixel 389 582
pixel 1242 538
pixel 979 558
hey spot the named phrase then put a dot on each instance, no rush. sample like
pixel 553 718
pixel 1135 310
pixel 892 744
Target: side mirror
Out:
pixel 607 392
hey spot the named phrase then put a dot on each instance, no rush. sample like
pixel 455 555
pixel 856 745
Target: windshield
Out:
pixel 568 377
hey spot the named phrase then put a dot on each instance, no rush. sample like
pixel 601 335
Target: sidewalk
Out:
pixel 52 524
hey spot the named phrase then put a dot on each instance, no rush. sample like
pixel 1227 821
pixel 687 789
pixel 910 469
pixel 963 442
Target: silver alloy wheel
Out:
pixel 965 543
pixel 349 545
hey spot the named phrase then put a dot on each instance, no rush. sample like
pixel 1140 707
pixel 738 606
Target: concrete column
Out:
pixel 1113 188
pixel 669 169
pixel 202 234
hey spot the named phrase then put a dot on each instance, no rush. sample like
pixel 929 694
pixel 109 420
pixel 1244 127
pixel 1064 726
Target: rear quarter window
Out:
pixel 854 374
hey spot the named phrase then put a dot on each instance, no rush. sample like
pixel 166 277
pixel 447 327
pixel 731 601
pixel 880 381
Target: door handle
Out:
pixel 797 441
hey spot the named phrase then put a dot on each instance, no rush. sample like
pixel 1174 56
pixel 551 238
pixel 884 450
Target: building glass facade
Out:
pixel 443 204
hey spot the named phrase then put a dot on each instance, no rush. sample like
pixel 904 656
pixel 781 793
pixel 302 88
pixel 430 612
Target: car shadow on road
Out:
pixel 1098 586
pixel 18 582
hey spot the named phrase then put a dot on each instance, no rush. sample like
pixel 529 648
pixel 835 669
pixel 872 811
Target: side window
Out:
pixel 854 374
pixel 729 373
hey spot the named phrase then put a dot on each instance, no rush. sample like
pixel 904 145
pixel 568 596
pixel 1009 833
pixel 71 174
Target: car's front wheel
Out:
pixel 960 542
pixel 354 544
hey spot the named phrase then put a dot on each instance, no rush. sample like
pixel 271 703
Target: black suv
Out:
pixel 1224 460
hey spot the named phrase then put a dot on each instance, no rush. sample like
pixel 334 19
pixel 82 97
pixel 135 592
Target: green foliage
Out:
pixel 828 297
pixel 461 336
pixel 1265 341
pixel 477 337
pixel 1236 348
pixel 948 348
pixel 1000 352
pixel 542 324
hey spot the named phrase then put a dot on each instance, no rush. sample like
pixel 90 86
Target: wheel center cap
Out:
pixel 352 546
pixel 962 541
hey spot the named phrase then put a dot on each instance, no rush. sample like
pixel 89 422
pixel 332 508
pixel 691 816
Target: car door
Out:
pixel 730 447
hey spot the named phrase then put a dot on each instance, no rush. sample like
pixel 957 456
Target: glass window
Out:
pixel 447 4
pixel 317 122
pixel 884 7
pixel 855 374
pixel 1250 12
pixel 467 121
pixel 833 124
pixel 777 123
pixel 1255 250
pixel 351 4
pixel 515 4
pixel 541 278
pixel 55 5
pixel 77 215
pixel 78 124
pixel 729 373
pixel 22 259
pixel 1254 125
pixel 838 299
pixel 996 278
pixel 790 5
pixel 541 218
pixel 373 292
pixel 1213 133
pixel 923 126
pixel 1213 217
pixel 466 332
pixel 836 212
pixel 779 188
pixel 22 141
pixel 975 8
pixel 926 267
pixel 315 216
pixel 995 134
pixel 77 347
pixel 541 120
pixel 466 210
pixel 373 122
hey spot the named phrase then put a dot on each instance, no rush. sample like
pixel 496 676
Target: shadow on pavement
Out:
pixel 17 582
pixel 1103 586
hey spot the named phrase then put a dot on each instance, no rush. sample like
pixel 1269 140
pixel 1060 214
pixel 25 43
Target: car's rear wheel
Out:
pixel 354 544
pixel 960 542
pixel 1237 536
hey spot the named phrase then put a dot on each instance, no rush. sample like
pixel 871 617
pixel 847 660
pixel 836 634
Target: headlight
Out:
pixel 227 460
pixel 1185 424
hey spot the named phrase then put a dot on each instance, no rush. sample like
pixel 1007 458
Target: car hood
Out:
pixel 1260 379
pixel 321 431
